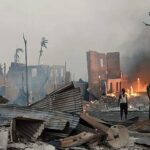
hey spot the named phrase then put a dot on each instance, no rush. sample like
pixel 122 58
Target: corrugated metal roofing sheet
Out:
pixel 64 88
pixel 59 123
pixel 66 99
pixel 26 129
pixel 69 101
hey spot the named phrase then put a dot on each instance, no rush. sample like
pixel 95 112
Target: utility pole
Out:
pixel 65 73
pixel 4 74
pixel 5 79
pixel 26 69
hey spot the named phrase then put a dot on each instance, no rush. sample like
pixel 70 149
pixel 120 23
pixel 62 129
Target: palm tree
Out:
pixel 43 44
pixel 17 57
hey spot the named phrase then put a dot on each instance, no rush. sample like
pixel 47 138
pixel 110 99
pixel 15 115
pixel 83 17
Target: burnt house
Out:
pixel 104 72
pixel 42 79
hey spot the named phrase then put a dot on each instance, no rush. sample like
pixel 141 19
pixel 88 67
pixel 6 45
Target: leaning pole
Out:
pixel 26 70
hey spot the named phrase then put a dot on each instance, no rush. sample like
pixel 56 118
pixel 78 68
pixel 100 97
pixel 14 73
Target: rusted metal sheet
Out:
pixel 72 118
pixel 56 123
pixel 44 104
pixel 69 101
pixel 66 99
pixel 141 126
pixel 26 129
pixel 10 112
pixel 64 88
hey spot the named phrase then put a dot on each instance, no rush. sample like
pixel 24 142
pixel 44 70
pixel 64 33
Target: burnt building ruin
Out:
pixel 104 73
pixel 42 80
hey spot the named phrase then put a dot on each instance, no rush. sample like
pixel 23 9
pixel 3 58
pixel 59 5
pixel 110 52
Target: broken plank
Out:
pixel 93 122
pixel 77 140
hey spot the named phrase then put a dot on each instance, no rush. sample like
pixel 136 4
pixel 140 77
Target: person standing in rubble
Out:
pixel 148 93
pixel 123 102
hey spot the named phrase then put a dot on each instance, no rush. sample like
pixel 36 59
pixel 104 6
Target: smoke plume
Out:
pixel 137 62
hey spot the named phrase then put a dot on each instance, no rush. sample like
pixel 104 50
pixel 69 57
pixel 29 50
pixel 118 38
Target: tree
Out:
pixel 43 44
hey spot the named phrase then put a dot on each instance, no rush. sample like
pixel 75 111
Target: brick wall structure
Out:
pixel 102 66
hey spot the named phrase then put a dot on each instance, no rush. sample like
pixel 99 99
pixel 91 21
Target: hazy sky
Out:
pixel 72 27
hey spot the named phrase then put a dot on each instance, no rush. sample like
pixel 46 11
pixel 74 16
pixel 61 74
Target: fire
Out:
pixel 131 93
pixel 111 94
pixel 137 86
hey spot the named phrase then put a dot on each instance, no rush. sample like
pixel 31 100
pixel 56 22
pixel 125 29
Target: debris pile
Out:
pixel 103 104
pixel 3 100
pixel 141 131
pixel 59 122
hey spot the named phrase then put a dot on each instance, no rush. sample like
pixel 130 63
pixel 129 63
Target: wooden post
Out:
pixel 26 69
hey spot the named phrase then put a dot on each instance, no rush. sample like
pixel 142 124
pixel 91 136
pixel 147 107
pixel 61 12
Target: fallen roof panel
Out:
pixel 26 129
pixel 67 99
pixel 15 111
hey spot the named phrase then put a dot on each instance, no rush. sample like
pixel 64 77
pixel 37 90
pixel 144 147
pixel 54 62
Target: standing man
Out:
pixel 148 93
pixel 123 102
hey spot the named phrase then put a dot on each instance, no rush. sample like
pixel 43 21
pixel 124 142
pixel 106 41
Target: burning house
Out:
pixel 104 73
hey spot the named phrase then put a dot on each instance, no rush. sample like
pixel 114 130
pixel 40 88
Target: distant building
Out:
pixel 42 79
pixel 16 81
pixel 57 75
pixel 113 65
pixel 104 72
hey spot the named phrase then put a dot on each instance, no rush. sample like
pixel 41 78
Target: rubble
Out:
pixel 3 138
pixel 31 146
pixel 3 100
pixel 58 122
pixel 141 126
pixel 143 141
